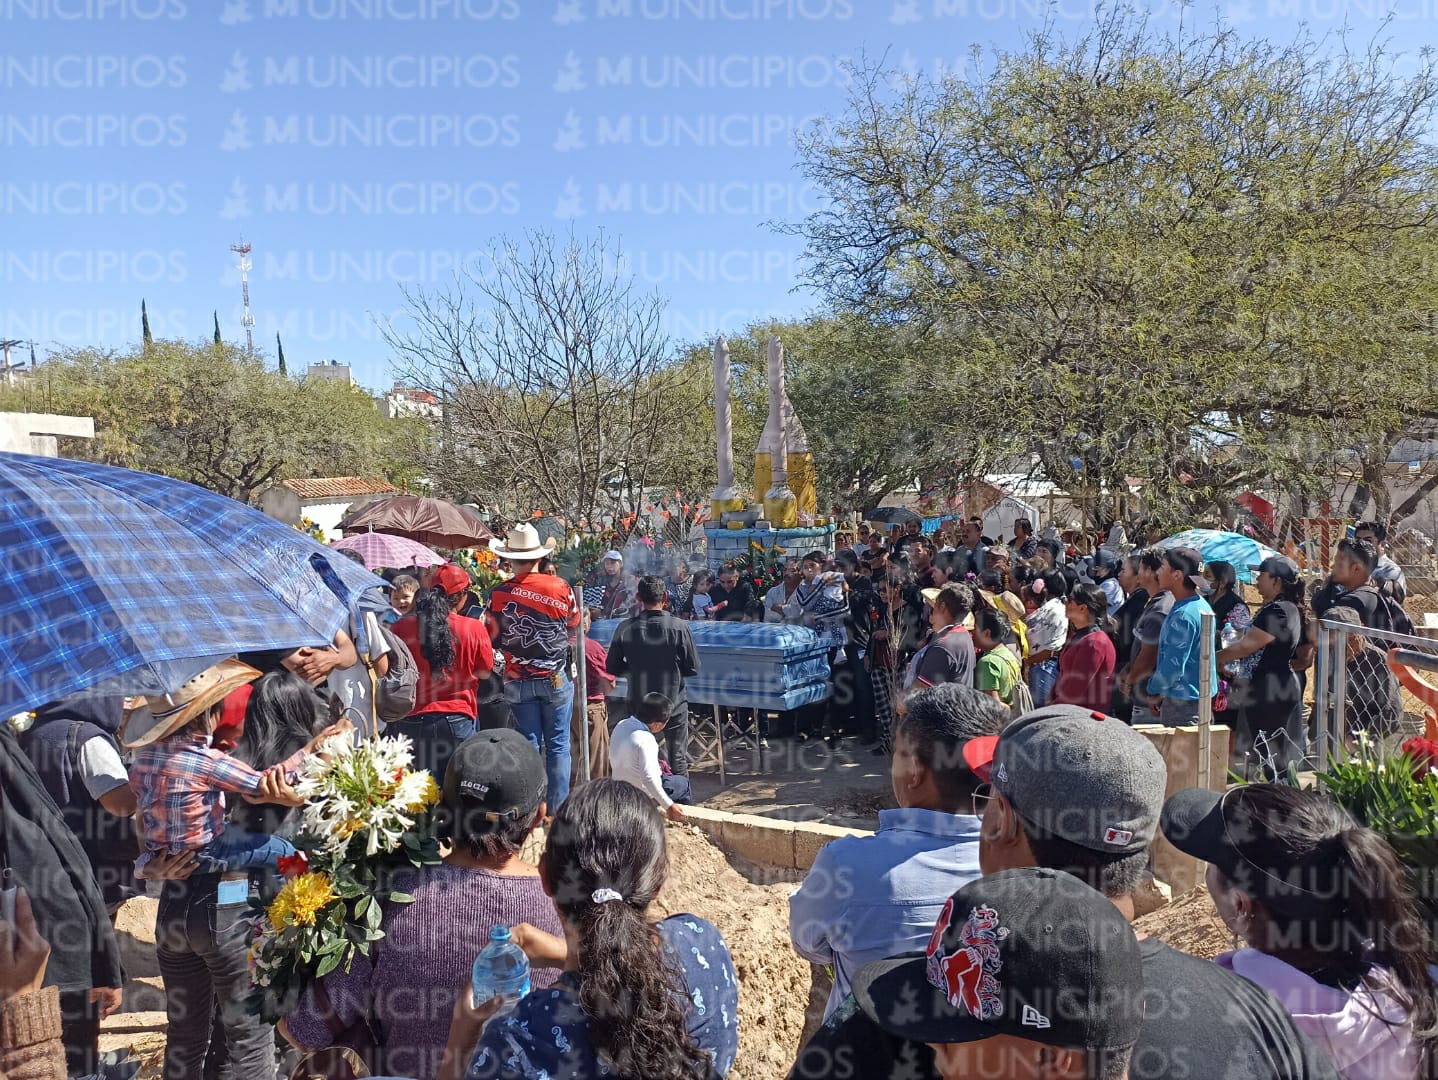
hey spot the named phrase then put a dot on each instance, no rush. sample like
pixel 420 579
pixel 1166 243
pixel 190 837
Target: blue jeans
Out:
pixel 235 849
pixel 677 788
pixel 541 714
pixel 434 735
pixel 1041 681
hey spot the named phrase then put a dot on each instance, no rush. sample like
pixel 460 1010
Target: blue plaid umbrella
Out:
pixel 117 581
pixel 1214 545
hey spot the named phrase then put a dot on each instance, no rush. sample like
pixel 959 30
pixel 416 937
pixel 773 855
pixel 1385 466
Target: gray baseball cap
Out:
pixel 1081 776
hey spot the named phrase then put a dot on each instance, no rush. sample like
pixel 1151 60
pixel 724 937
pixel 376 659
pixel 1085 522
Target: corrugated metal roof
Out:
pixel 339 487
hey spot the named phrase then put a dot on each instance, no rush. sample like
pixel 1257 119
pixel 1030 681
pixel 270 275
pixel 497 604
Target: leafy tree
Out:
pixel 145 326
pixel 1151 257
pixel 280 352
pixel 210 415
pixel 217 329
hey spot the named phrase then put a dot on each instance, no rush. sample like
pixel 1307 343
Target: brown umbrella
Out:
pixel 428 521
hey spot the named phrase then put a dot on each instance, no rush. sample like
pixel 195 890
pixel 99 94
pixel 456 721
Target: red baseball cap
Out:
pixel 978 755
pixel 452 579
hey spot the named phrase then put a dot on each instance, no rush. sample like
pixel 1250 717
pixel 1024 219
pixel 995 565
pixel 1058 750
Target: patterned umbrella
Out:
pixel 123 582
pixel 1213 545
pixel 426 521
pixel 381 550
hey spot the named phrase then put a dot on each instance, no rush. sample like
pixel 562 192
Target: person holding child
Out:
pixel 201 930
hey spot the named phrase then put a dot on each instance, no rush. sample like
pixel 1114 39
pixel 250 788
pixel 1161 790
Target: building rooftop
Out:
pixel 339 487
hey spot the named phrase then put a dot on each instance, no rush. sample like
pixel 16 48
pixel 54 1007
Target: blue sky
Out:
pixel 363 144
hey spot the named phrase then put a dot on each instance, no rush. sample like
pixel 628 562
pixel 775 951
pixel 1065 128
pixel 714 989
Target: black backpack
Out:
pixel 1388 613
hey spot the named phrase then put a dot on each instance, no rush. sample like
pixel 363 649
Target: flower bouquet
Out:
pixel 365 819
pixel 482 566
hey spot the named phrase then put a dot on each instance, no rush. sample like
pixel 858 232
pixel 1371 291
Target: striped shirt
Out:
pixel 178 783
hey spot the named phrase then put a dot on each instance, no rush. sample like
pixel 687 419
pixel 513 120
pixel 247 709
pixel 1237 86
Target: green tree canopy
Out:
pixel 209 415
pixel 1196 260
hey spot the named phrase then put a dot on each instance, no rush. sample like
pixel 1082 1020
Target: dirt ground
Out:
pixel 1190 924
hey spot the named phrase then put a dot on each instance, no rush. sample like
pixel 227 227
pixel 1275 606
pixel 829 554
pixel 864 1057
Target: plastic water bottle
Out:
pixel 1226 637
pixel 501 968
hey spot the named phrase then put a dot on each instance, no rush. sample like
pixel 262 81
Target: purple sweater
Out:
pixel 424 958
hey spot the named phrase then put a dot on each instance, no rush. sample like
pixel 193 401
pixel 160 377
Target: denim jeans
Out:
pixel 676 742
pixel 541 713
pixel 235 849
pixel 1041 681
pixel 435 735
pixel 677 788
pixel 202 947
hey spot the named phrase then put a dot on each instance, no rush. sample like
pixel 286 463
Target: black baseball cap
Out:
pixel 1032 953
pixel 1278 566
pixel 1217 829
pixel 494 777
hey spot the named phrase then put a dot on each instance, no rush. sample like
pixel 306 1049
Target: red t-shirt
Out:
pixel 1086 672
pixel 596 673
pixel 453 691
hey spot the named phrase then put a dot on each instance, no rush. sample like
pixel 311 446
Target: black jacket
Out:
pixel 47 860
pixel 654 651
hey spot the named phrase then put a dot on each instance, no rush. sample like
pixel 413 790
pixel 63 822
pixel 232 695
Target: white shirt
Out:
pixel 352 686
pixel 634 758
pixel 775 596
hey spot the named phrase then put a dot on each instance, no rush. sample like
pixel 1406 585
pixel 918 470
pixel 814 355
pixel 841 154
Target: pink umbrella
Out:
pixel 383 550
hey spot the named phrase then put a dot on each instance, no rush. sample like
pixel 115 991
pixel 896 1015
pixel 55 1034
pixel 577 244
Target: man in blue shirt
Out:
pixel 1175 684
pixel 868 898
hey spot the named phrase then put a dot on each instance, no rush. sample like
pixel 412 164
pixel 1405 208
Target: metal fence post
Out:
pixel 1339 660
pixel 581 690
pixel 1206 691
pixel 1321 676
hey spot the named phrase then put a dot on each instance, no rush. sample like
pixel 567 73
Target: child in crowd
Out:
pixel 699 598
pixel 401 597
pixel 822 597
pixel 179 778
pixel 634 755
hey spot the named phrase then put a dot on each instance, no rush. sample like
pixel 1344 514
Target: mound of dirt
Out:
pixel 1190 924
pixel 754 919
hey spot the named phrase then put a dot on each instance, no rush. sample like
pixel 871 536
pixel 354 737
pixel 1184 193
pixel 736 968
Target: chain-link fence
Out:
pixel 1356 693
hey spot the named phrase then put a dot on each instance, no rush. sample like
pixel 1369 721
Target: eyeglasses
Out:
pixel 982 794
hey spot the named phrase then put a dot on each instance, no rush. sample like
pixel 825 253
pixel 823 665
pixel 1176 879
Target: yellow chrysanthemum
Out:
pixel 300 900
pixel 427 797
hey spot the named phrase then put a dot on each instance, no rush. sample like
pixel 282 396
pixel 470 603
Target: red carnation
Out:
pixel 1424 755
pixel 292 866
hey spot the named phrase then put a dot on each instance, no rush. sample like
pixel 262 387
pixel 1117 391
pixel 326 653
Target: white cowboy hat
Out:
pixel 522 545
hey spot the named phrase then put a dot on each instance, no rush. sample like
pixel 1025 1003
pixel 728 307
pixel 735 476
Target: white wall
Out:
pixel 28 433
pixel 327 515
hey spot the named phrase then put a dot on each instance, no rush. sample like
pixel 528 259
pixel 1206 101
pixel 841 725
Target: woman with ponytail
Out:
pixel 1272 728
pixel 454 656
pixel 637 1000
pixel 1047 627
pixel 1327 919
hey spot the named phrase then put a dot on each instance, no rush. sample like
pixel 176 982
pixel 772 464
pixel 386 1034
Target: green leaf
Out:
pixel 330 961
pixel 401 898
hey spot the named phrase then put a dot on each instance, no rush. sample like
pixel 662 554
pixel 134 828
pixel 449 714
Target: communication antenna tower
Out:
pixel 242 249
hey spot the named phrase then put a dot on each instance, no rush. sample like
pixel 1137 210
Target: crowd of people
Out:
pixel 983 930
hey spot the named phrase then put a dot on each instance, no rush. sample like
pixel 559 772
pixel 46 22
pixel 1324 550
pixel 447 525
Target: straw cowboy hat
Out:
pixel 522 545
pixel 162 716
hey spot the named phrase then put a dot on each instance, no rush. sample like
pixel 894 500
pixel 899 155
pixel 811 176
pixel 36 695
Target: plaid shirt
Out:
pixel 178 784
